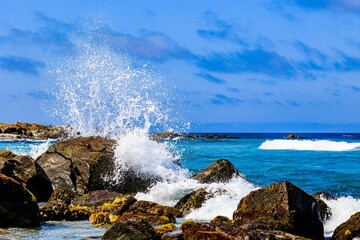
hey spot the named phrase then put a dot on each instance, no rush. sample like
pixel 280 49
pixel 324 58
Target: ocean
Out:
pixel 319 163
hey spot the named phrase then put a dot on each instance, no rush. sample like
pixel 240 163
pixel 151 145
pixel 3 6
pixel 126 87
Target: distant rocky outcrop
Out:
pixel 20 130
pixel 18 207
pixel 27 172
pixel 348 230
pixel 221 170
pixel 293 136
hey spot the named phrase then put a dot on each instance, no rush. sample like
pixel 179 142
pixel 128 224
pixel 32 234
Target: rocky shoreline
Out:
pixel 67 177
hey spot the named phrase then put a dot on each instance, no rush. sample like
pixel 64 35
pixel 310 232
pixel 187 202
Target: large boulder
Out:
pixel 26 171
pixel 281 206
pixel 193 200
pixel 349 229
pixel 6 154
pixel 219 171
pixel 18 207
pixel 134 229
pixel 83 164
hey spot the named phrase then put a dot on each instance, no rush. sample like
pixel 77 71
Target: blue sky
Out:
pixel 271 65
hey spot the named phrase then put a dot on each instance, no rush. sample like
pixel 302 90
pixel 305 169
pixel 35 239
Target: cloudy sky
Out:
pixel 275 65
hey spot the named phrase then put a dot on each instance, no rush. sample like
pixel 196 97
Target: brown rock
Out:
pixel 26 171
pixel 348 230
pixel 191 201
pixel 134 229
pixel 219 171
pixel 18 207
pixel 281 206
pixel 152 212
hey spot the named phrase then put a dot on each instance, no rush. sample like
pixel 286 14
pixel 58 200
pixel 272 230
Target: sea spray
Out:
pixel 106 93
pixel 341 208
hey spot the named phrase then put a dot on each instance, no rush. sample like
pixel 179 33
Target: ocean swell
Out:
pixel 309 145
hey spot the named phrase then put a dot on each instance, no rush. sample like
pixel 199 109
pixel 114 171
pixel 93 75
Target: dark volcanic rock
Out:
pixel 219 171
pixel 349 229
pixel 80 164
pixel 18 207
pixel 131 230
pixel 192 201
pixel 281 206
pixel 95 198
pixel 26 171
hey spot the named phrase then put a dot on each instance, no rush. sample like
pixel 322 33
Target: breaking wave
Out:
pixel 309 145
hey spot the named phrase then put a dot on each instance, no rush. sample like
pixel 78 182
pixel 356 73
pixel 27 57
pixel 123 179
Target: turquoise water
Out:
pixel 321 162
pixel 336 172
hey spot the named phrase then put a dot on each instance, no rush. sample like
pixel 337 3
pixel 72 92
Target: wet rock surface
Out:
pixel 25 170
pixel 219 171
pixel 281 206
pixel 349 229
pixel 193 200
pixel 18 207
pixel 134 229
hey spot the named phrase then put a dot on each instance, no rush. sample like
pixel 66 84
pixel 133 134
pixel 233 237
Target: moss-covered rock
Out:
pixel 221 221
pixel 192 201
pixel 152 212
pixel 281 206
pixel 95 198
pixel 18 207
pixel 162 229
pixel 6 154
pixel 134 229
pixel 349 229
pixel 219 171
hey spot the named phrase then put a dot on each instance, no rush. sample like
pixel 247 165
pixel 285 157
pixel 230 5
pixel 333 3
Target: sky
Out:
pixel 235 66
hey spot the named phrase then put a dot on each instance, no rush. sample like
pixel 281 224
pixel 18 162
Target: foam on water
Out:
pixel 309 145
pixel 33 148
pixel 342 208
pixel 168 193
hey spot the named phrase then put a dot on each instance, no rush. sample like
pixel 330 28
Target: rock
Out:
pixel 110 212
pixel 221 221
pixel 62 195
pixel 58 211
pixel 18 207
pixel 32 131
pixel 191 201
pixel 162 229
pixel 349 229
pixel 134 229
pixel 293 136
pixel 199 231
pixel 152 212
pixel 82 163
pixel 173 235
pixel 6 154
pixel 219 171
pixel 95 198
pixel 26 171
pixel 281 206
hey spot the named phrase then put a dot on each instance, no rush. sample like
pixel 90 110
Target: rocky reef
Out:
pixel 72 173
pixel 20 130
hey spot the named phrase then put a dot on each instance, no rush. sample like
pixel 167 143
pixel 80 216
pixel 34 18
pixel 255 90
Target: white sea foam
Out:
pixel 309 145
pixel 34 149
pixel 342 208
pixel 223 201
